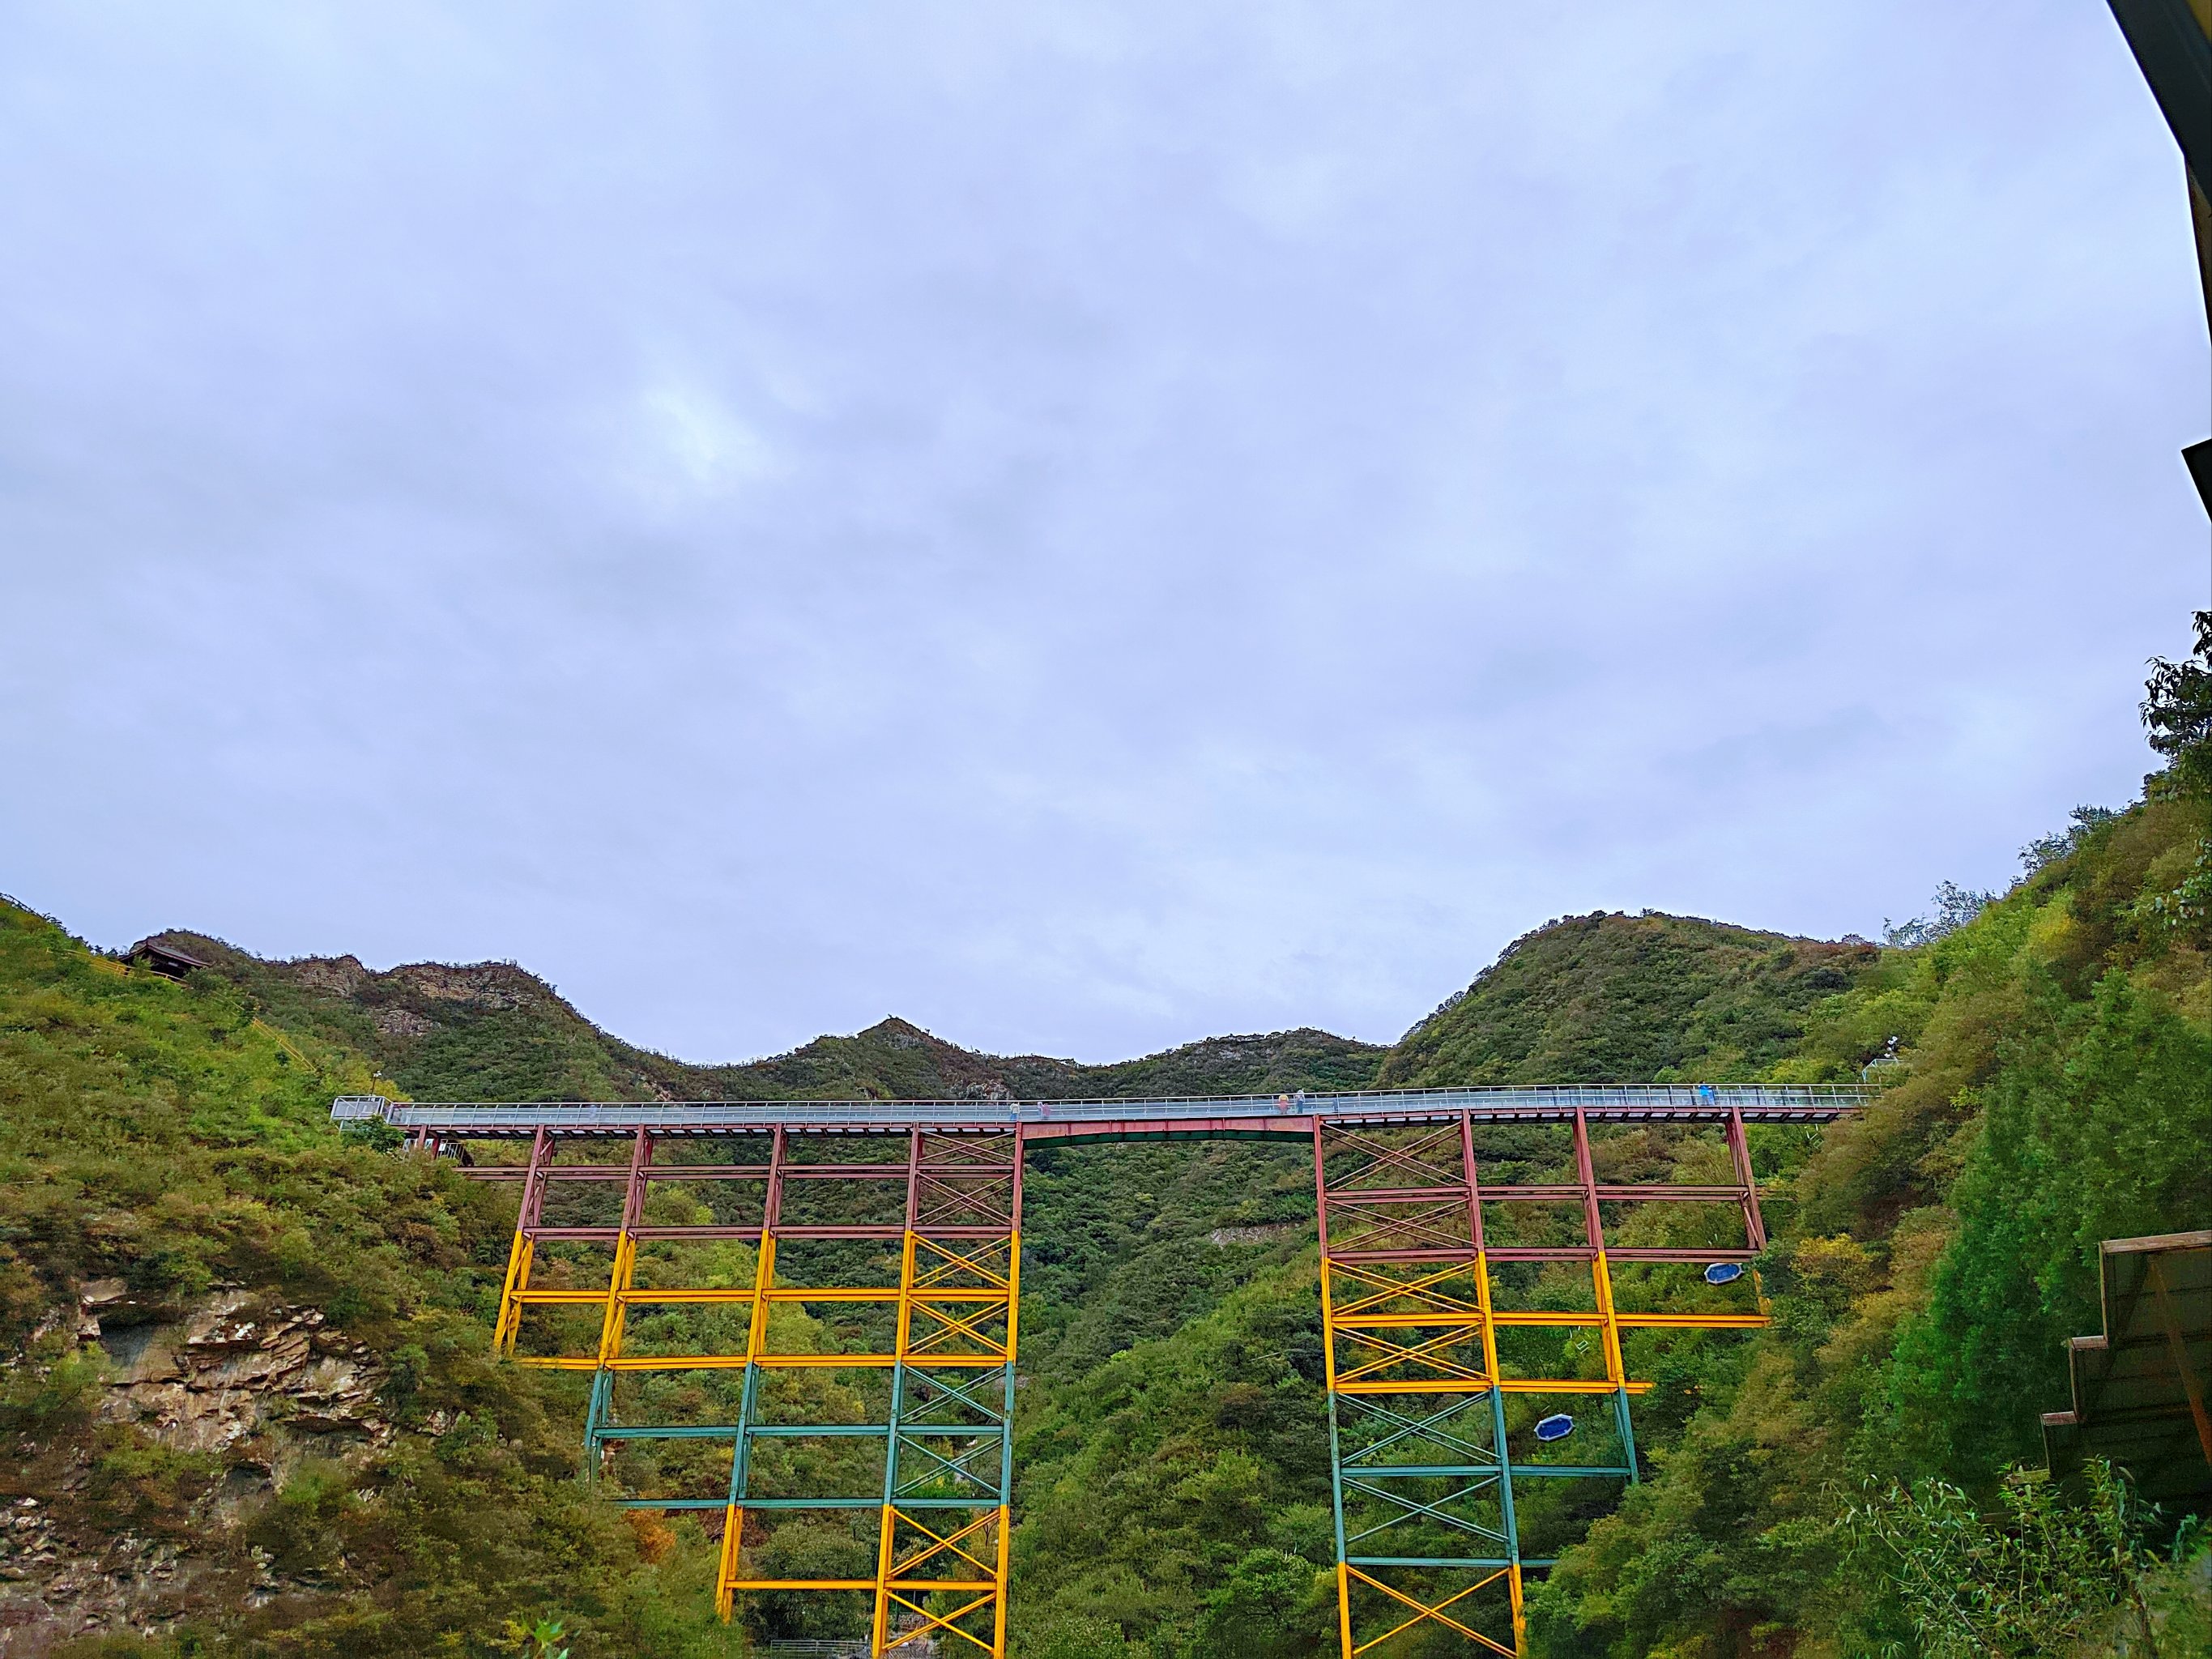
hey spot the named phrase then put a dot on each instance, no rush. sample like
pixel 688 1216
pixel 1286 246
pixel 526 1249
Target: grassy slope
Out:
pixel 165 1136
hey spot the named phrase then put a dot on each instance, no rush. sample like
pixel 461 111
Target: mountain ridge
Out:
pixel 494 1029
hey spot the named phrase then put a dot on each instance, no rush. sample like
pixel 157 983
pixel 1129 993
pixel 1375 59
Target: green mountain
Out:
pixel 250 1410
pixel 1621 999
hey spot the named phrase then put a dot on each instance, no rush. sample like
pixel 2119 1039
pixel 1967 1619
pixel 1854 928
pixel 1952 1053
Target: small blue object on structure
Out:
pixel 1557 1426
pixel 1724 1273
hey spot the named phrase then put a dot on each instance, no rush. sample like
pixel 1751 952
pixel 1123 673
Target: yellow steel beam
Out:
pixel 1693 1322
pixel 531 1298
pixel 945 1622
pixel 1422 1611
pixel 647 1295
pixel 802 1584
pixel 725 1570
pixel 708 1361
pixel 616 1314
pixel 1505 1385
pixel 517 1277
pixel 890 1293
pixel 887 1539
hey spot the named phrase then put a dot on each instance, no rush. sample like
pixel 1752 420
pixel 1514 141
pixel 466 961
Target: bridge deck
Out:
pixel 1292 1117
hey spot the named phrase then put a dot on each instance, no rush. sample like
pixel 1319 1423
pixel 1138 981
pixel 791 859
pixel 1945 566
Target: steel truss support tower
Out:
pixel 932 1345
pixel 800 1317
pixel 1449 1339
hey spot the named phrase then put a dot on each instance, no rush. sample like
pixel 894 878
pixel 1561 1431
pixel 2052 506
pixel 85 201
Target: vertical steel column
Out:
pixel 887 1543
pixel 1512 1522
pixel 1510 1519
pixel 733 1513
pixel 1754 1224
pixel 509 1325
pixel 1328 1371
pixel 1616 1365
pixel 616 1315
pixel 1006 1443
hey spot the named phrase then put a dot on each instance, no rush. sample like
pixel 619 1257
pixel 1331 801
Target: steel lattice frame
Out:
pixel 1433 1506
pixel 1420 1442
pixel 947 1440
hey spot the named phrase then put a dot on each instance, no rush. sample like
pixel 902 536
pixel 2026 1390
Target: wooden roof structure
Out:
pixel 2139 1388
pixel 165 959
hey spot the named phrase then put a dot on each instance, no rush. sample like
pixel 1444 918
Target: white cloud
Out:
pixel 692 444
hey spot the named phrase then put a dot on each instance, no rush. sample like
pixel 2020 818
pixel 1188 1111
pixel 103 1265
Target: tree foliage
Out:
pixel 2032 1580
pixel 2177 710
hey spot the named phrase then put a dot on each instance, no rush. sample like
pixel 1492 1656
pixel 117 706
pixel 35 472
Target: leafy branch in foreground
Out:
pixel 2177 711
pixel 2029 1582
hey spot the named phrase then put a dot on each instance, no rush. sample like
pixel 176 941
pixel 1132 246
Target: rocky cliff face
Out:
pixel 203 1413
pixel 254 1381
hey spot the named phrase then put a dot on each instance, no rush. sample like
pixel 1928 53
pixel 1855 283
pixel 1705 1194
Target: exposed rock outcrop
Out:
pixel 51 1592
pixel 238 1371
pixel 247 1382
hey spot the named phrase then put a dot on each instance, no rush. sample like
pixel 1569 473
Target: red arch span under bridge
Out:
pixel 664 1247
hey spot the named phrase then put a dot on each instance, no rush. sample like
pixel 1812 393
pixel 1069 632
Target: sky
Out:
pixel 1083 525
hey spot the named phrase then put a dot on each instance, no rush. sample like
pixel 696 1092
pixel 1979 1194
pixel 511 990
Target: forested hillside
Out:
pixel 1609 998
pixel 250 1409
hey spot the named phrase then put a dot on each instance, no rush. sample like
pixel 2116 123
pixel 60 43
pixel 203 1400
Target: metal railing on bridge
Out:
pixel 1603 1102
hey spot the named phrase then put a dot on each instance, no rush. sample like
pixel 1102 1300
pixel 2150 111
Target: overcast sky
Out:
pixel 1083 525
